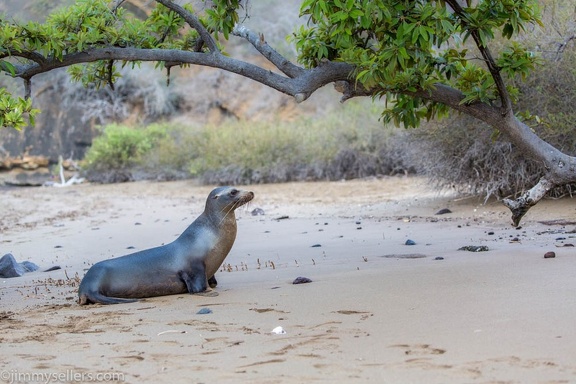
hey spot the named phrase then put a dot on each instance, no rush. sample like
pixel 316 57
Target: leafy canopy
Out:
pixel 95 24
pixel 398 47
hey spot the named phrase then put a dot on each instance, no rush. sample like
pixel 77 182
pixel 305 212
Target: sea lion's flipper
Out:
pixel 196 282
pixel 212 282
pixel 98 298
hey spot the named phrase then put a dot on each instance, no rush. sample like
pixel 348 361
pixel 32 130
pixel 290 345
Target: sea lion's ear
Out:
pixel 215 197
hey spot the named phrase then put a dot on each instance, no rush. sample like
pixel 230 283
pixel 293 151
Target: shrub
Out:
pixel 118 150
pixel 347 143
pixel 463 153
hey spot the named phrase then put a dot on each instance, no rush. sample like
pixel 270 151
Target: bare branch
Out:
pixel 27 88
pixel 267 51
pixel 562 46
pixel 194 22
pixel 522 204
pixel 34 56
pixel 303 85
pixel 115 4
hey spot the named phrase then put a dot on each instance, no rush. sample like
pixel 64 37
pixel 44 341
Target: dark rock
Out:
pixel 29 266
pixel 405 256
pixel 54 268
pixel 410 242
pixel 549 255
pixel 25 178
pixel 204 311
pixel 9 267
pixel 258 212
pixel 443 211
pixel 474 248
pixel 301 280
pixel 316 246
pixel 439 258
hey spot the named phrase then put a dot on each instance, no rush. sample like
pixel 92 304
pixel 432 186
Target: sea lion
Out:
pixel 188 264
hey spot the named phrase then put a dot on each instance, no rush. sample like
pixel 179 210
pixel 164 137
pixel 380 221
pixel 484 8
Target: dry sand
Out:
pixel 377 310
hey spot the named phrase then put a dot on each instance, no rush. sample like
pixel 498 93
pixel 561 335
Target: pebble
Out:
pixel 549 255
pixel 474 248
pixel 443 211
pixel 301 280
pixel 257 212
pixel 204 311
pixel 410 242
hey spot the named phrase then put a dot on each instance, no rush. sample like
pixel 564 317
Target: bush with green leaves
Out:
pixel 121 147
pixel 347 143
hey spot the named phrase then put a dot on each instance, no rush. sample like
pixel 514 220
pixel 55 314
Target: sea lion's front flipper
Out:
pixel 212 282
pixel 196 282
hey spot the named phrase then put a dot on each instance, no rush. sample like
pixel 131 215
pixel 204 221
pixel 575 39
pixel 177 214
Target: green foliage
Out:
pixel 223 16
pixel 465 154
pixel 400 46
pixel 348 143
pixel 121 147
pixel 91 24
pixel 15 112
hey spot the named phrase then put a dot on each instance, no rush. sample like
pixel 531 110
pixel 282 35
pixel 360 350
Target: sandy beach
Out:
pixel 377 310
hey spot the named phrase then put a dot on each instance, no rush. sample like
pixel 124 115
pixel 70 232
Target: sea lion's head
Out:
pixel 226 199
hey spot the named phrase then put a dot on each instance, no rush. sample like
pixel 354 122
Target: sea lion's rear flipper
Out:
pixel 212 282
pixel 98 298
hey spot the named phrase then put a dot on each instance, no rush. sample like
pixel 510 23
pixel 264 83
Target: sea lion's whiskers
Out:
pixel 232 207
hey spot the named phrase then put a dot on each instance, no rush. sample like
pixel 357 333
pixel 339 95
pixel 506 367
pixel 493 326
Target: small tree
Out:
pixel 425 57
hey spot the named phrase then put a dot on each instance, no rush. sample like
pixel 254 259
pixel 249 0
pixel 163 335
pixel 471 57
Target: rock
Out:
pixel 22 178
pixel 439 258
pixel 549 255
pixel 474 248
pixel 301 280
pixel 29 266
pixel 9 267
pixel 258 212
pixel 316 246
pixel 204 311
pixel 410 242
pixel 443 211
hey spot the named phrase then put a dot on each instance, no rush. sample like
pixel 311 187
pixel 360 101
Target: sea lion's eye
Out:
pixel 233 192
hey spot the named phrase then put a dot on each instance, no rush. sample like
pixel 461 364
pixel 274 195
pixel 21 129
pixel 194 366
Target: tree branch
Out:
pixel 258 42
pixel 33 56
pixel 488 59
pixel 193 22
pixel 528 199
pixel 115 5
pixel 300 87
